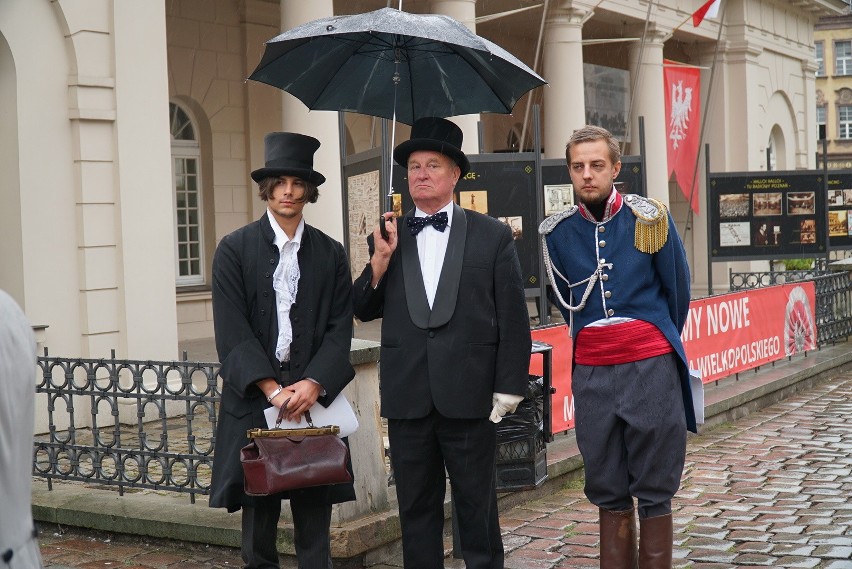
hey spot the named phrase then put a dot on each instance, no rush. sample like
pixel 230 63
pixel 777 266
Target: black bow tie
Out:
pixel 436 220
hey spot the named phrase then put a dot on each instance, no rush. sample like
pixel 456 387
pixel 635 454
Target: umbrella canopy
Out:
pixel 396 65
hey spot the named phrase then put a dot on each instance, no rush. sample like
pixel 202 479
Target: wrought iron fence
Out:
pixel 757 279
pixel 833 296
pixel 833 307
pixel 127 423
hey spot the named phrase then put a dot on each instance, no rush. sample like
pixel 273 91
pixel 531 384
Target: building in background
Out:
pixel 129 131
pixel 833 49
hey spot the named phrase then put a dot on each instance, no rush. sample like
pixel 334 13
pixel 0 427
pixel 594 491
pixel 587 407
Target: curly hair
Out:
pixel 267 185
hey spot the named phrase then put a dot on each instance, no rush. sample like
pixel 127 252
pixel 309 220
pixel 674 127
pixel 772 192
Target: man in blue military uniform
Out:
pixel 620 274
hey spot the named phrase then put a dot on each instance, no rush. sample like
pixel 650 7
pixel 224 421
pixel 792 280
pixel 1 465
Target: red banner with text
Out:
pixel 730 333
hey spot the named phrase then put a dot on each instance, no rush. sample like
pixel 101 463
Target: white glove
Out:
pixel 504 403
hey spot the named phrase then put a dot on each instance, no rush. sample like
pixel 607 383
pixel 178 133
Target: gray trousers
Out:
pixel 631 431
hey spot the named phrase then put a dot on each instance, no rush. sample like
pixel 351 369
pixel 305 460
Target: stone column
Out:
pixel 141 221
pixel 327 213
pixel 564 100
pixel 649 102
pixel 465 12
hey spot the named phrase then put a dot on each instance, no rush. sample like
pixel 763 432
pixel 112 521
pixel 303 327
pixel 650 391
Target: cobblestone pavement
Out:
pixel 772 490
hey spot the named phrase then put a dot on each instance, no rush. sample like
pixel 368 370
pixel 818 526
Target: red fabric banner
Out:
pixel 562 400
pixel 730 333
pixel 683 94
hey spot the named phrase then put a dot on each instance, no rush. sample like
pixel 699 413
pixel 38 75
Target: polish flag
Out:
pixel 682 86
pixel 709 9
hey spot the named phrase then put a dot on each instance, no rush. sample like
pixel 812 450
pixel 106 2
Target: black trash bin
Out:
pixel 521 451
pixel 522 435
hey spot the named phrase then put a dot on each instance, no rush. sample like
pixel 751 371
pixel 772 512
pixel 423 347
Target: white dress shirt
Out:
pixel 431 248
pixel 285 281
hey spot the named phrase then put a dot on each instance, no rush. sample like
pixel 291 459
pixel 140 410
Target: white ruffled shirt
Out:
pixel 285 281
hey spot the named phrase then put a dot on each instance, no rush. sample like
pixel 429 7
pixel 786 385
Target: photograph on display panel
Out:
pixel 734 205
pixel 767 204
pixel 557 197
pixel 801 203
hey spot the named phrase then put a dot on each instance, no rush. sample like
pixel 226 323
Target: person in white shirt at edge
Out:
pixel 18 543
pixel 455 349
pixel 282 313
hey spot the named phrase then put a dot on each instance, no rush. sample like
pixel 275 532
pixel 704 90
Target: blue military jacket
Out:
pixel 604 265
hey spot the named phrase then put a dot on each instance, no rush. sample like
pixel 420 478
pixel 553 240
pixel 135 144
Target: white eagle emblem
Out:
pixel 681 105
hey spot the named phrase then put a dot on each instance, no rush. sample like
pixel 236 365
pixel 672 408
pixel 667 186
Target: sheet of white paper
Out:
pixel 339 413
pixel 697 388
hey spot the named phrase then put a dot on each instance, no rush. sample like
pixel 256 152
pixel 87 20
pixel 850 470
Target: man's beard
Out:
pixel 594 202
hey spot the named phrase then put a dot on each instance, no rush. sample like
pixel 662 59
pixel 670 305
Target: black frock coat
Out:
pixel 246 324
pixel 473 342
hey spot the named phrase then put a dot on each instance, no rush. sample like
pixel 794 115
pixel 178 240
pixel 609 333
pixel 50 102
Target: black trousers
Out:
pixel 631 431
pixel 311 523
pixel 421 451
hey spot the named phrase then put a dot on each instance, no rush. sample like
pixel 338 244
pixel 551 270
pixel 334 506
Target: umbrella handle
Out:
pixel 382 229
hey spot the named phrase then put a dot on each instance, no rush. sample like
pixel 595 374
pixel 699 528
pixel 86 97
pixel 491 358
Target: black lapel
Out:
pixel 307 278
pixel 448 284
pixel 415 292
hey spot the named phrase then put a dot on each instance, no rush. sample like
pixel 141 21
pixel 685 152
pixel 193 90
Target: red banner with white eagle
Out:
pixel 682 85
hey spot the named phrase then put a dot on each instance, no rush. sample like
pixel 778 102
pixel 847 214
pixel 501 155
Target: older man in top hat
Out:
pixel 282 312
pixel 455 349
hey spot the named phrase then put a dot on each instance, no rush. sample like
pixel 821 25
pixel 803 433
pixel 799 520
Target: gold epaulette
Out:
pixel 652 223
pixel 551 222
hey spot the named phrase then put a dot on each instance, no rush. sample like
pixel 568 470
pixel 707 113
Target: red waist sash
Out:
pixel 620 343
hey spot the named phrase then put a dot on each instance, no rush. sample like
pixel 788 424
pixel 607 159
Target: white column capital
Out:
pixel 654 36
pixel 566 13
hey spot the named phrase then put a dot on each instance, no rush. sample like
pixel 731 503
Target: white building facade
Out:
pixel 140 114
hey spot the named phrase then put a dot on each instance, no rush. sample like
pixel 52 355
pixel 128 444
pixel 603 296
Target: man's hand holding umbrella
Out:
pixel 384 247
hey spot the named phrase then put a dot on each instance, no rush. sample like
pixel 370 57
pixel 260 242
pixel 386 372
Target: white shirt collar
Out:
pixel 281 238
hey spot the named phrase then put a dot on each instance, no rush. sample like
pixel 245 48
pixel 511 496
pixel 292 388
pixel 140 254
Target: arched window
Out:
pixel 186 180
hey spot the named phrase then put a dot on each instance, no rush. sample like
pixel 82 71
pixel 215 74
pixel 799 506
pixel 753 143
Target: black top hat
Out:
pixel 439 135
pixel 289 154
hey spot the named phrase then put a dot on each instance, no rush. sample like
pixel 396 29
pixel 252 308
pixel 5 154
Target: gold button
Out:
pixel 602 243
pixel 610 312
pixel 601 228
pixel 605 277
pixel 608 294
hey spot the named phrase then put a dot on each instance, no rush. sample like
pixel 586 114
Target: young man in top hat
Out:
pixel 619 270
pixel 282 313
pixel 455 349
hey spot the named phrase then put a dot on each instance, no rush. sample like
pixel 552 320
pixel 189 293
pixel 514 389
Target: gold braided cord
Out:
pixel 651 232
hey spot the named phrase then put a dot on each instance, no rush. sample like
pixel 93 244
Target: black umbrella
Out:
pixel 396 65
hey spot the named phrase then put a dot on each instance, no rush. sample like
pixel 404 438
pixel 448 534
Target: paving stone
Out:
pixel 754 547
pixel 785 550
pixel 756 559
pixel 833 551
pixel 711 556
pixel 794 562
